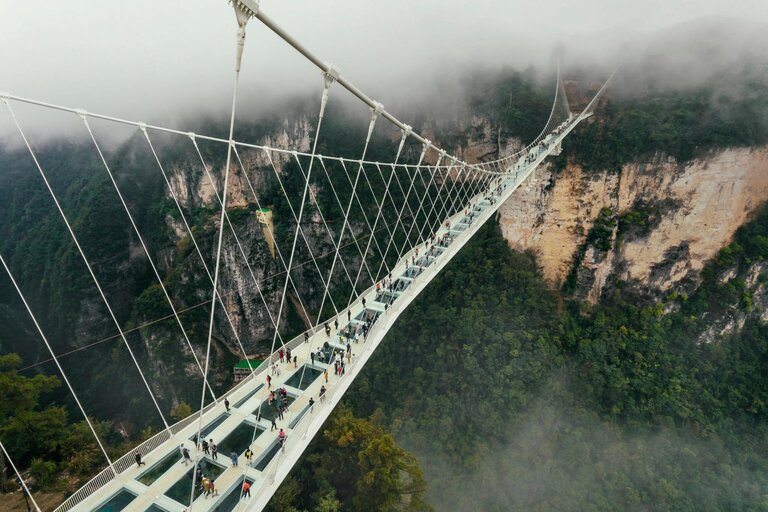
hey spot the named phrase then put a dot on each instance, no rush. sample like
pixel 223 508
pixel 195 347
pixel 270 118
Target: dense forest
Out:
pixel 513 400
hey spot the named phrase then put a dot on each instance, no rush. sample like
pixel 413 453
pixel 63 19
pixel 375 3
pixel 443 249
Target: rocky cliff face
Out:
pixel 662 221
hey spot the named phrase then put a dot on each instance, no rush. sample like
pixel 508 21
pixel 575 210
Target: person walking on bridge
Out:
pixel 214 450
pixel 185 454
pixel 137 456
pixel 246 489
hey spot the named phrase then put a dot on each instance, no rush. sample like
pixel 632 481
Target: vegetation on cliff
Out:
pixel 514 401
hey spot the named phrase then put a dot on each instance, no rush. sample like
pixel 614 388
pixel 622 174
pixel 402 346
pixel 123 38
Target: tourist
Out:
pixel 233 458
pixel 185 454
pixel 248 454
pixel 137 456
pixel 281 437
pixel 226 404
pixel 246 489
pixel 206 449
pixel 214 450
pixel 306 337
pixel 274 424
pixel 311 404
pixel 212 489
pixel 322 393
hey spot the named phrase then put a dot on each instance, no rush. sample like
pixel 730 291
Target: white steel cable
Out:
pixel 371 125
pixel 328 82
pixel 240 45
pixel 432 227
pixel 58 365
pixel 163 129
pixel 378 216
pixel 238 243
pixel 355 196
pixel 274 238
pixel 144 247
pixel 295 217
pixel 197 247
pixel 18 475
pixel 351 231
pixel 88 265
pixel 406 242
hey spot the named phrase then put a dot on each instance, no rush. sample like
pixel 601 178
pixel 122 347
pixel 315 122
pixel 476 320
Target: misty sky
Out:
pixel 166 60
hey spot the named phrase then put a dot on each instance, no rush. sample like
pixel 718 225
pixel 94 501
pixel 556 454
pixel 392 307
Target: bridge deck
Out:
pixel 163 484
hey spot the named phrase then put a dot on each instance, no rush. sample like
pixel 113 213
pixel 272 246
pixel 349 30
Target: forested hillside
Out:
pixel 513 400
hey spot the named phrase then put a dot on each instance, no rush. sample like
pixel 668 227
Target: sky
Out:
pixel 168 61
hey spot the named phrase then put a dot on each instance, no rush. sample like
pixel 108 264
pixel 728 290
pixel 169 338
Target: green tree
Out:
pixel 181 411
pixel 26 428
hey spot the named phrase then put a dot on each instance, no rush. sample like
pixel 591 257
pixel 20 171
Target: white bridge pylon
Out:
pixel 447 202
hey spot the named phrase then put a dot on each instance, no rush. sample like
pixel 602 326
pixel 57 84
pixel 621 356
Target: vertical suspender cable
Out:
pixel 242 20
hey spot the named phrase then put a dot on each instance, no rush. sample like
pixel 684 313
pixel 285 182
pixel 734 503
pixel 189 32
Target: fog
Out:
pixel 166 62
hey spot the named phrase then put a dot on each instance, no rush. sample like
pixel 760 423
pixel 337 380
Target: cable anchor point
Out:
pixel 244 11
pixel 331 75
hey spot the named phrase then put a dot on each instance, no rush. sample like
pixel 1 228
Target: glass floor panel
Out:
pixel 229 503
pixel 299 381
pixel 157 470
pixel 117 502
pixel 295 421
pixel 263 462
pixel 181 489
pixel 248 396
pixel 239 439
pixel 211 427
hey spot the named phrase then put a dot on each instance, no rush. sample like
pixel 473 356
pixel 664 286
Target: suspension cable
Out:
pixel 58 365
pixel 87 263
pixel 18 475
